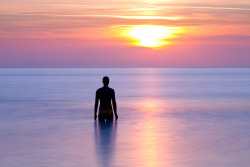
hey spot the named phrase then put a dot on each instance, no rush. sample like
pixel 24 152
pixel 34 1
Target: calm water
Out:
pixel 168 117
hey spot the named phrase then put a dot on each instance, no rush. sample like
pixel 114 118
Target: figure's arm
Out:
pixel 114 105
pixel 96 104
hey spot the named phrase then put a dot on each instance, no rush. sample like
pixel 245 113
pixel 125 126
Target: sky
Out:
pixel 124 33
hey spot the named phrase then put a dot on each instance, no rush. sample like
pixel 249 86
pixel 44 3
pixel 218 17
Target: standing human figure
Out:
pixel 105 95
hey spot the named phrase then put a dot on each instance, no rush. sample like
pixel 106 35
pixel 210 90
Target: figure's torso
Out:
pixel 105 95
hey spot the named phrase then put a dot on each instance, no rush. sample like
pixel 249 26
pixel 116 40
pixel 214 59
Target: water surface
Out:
pixel 168 117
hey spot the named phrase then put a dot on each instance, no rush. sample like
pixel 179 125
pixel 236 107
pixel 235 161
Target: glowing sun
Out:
pixel 151 36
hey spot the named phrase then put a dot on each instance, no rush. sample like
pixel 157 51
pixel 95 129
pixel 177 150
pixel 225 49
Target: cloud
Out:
pixel 49 17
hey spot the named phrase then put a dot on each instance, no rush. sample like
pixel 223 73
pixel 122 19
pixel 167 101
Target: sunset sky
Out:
pixel 124 33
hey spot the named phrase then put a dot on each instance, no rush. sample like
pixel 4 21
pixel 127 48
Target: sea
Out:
pixel 168 117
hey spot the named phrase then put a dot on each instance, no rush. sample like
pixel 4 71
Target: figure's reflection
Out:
pixel 105 133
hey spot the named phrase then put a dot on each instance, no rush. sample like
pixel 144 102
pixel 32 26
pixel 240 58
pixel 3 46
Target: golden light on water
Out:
pixel 151 36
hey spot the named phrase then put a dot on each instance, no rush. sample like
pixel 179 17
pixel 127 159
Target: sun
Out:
pixel 151 36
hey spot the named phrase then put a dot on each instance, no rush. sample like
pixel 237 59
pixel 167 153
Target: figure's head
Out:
pixel 105 81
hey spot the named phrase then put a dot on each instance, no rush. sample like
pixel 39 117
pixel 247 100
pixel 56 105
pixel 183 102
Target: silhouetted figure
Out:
pixel 105 95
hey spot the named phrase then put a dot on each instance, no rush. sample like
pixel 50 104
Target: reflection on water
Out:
pixel 105 134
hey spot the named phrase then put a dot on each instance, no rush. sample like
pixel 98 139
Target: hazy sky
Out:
pixel 123 33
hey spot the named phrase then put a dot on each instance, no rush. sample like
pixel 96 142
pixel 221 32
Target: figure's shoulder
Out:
pixel 111 89
pixel 99 90
pixel 105 89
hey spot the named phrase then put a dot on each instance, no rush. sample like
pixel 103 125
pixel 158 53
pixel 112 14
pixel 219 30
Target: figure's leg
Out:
pixel 101 117
pixel 109 118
